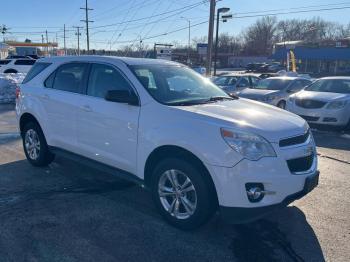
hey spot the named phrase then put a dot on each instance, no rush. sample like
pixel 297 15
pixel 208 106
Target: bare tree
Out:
pixel 259 37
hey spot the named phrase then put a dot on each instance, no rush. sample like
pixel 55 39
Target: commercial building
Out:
pixel 318 59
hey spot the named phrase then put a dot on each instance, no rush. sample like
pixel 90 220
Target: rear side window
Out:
pixel 4 62
pixel 70 77
pixel 34 71
pixel 24 62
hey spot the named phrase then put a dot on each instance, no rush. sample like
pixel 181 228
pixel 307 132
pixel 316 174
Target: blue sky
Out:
pixel 30 18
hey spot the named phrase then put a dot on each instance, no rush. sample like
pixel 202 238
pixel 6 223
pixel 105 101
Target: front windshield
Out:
pixel 225 80
pixel 177 85
pixel 330 85
pixel 273 84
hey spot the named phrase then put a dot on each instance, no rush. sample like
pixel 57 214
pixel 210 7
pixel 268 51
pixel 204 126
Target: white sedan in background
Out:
pixel 326 101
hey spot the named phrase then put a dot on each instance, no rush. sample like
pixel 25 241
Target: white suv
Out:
pixel 166 127
pixel 22 65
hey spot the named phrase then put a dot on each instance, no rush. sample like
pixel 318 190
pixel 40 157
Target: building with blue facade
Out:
pixel 318 59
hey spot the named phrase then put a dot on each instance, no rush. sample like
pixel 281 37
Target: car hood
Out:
pixel 321 96
pixel 256 93
pixel 246 115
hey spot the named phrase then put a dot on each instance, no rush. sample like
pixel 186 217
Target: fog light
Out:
pixel 255 191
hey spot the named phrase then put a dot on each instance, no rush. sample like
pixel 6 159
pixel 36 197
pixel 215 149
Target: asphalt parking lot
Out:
pixel 68 212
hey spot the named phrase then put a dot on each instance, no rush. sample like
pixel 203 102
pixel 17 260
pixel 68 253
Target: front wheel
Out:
pixel 181 194
pixel 282 104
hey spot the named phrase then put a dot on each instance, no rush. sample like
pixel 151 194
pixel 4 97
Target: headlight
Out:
pixel 268 98
pixel 250 146
pixel 336 104
pixel 291 99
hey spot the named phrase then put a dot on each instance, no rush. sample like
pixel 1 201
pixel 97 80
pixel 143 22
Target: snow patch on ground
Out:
pixel 8 83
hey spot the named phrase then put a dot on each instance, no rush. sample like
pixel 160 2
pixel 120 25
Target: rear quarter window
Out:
pixel 4 62
pixel 24 62
pixel 35 70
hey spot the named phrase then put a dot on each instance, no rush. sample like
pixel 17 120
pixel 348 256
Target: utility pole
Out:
pixel 78 34
pixel 87 21
pixel 219 11
pixel 3 30
pixel 47 43
pixel 210 36
pixel 64 39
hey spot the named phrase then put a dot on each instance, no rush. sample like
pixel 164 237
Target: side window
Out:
pixel 25 62
pixel 104 78
pixel 70 77
pixel 49 81
pixel 254 80
pixel 34 71
pixel 297 85
pixel 244 82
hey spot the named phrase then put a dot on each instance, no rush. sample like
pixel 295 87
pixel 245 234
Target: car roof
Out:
pixel 337 77
pixel 288 77
pixel 95 58
pixel 238 74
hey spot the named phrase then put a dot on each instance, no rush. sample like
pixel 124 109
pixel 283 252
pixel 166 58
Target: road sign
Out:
pixel 202 48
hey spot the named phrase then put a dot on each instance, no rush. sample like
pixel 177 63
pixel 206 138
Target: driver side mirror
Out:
pixel 122 96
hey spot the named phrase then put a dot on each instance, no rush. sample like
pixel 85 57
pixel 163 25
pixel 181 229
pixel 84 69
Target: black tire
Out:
pixel 44 157
pixel 205 195
pixel 10 71
pixel 282 104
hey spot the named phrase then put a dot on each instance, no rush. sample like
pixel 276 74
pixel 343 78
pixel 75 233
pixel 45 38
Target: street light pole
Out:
pixel 220 10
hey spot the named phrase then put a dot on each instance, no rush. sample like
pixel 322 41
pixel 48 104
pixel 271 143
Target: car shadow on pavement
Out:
pixel 284 235
pixel 66 208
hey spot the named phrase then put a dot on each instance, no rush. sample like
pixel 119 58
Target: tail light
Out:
pixel 18 92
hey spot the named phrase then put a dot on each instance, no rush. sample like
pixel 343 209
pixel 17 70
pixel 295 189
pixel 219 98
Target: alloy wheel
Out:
pixel 32 144
pixel 177 194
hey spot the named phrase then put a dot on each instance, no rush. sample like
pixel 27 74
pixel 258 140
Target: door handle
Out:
pixel 86 108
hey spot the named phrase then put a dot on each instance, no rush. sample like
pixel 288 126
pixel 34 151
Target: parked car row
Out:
pixel 324 101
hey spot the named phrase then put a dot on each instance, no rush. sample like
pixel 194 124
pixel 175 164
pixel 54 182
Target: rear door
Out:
pixel 107 131
pixel 61 99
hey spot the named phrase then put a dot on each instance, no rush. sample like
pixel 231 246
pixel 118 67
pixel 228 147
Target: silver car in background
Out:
pixel 275 90
pixel 234 83
pixel 326 101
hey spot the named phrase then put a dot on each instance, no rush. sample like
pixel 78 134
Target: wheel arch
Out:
pixel 27 118
pixel 168 151
pixel 10 70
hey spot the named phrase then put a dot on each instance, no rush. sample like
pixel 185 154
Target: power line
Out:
pixel 160 14
pixel 293 12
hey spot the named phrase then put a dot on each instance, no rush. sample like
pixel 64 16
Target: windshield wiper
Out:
pixel 220 98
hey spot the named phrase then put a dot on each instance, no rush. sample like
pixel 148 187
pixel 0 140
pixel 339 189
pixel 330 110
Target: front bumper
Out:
pixel 321 116
pixel 238 215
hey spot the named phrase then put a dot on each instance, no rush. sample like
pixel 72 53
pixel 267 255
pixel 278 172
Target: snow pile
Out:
pixel 8 83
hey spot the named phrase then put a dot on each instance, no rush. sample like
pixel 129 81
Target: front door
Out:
pixel 107 131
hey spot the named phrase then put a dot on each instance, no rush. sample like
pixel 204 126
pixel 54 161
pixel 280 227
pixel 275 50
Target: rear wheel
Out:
pixel 282 104
pixel 181 194
pixel 35 146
